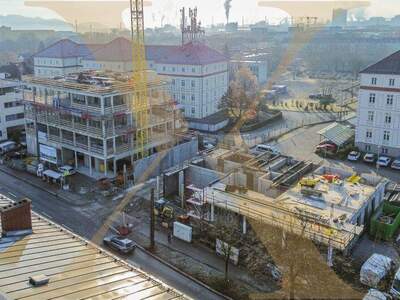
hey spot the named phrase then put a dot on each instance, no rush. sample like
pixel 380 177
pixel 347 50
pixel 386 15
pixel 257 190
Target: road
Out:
pixel 79 220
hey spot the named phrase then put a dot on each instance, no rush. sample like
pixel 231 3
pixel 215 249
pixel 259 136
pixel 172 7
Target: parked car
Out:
pixel 266 148
pixel 354 156
pixel 121 244
pixel 67 170
pixel 383 161
pixel 396 164
pixel 326 147
pixel 369 158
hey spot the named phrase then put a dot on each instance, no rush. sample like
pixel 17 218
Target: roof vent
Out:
pixel 39 280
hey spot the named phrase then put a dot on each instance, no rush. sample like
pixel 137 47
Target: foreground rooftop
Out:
pixel 77 269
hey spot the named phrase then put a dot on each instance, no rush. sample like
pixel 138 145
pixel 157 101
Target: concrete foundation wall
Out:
pixel 201 177
pixel 153 165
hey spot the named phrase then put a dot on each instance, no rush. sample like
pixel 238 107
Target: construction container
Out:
pixel 385 221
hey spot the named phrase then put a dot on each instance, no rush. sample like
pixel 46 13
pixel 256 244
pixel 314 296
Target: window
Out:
pixel 370 116
pixel 193 98
pixel 173 81
pixel 173 69
pixel 384 151
pixel 369 134
pixel 391 82
pixel 193 70
pixel 183 83
pixel 389 100
pixel 373 80
pixel 163 68
pixel 183 70
pixel 372 98
pixel 12 104
pixel 193 110
pixel 14 117
pixel 388 118
pixel 367 148
pixel 386 135
pixel 1 133
pixel 183 97
pixel 193 83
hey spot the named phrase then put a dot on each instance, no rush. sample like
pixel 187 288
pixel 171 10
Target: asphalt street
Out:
pixel 79 221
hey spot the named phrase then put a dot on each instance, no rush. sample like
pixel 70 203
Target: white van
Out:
pixel 266 148
pixel 7 147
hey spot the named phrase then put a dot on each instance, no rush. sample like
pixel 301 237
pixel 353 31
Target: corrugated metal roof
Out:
pixel 337 133
pixel 77 269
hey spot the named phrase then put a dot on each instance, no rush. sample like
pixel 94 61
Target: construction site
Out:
pixel 88 120
pixel 326 205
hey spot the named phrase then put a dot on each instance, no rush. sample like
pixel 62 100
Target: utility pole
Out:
pixel 152 220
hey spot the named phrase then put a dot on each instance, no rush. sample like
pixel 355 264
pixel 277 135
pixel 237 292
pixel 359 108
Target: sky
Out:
pixel 210 11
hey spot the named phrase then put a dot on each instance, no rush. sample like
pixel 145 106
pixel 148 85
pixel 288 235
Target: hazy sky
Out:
pixel 209 10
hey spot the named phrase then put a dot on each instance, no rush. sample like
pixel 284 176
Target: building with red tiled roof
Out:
pixel 198 74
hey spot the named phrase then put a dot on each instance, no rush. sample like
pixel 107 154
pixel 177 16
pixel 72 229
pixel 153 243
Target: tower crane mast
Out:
pixel 140 103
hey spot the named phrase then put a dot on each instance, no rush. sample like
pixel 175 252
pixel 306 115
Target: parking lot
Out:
pixel 301 144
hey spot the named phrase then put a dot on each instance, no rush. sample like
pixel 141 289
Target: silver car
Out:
pixel 121 244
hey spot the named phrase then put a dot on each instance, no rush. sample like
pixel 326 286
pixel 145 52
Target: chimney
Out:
pixel 16 218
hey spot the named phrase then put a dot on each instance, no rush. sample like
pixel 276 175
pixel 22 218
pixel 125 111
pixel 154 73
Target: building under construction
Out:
pixel 88 120
pixel 329 206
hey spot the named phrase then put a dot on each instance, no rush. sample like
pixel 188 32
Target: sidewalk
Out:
pixel 200 254
pixel 70 198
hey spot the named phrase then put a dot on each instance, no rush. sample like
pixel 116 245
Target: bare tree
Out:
pixel 242 93
pixel 226 232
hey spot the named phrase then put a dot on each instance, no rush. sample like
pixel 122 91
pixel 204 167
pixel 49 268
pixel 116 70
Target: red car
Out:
pixel 327 147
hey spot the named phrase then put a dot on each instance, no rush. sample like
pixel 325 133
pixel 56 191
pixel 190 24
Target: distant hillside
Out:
pixel 21 22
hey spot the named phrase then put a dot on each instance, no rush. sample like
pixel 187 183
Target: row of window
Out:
pixel 374 81
pixel 383 149
pixel 386 135
pixel 389 99
pixel 183 83
pixel 12 104
pixel 14 117
pixel 186 69
pixel 388 117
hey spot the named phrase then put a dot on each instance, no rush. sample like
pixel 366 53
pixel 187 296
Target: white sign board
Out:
pixel 48 153
pixel 183 232
pixel 222 248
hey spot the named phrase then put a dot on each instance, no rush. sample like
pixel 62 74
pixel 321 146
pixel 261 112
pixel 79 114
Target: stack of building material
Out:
pixel 375 269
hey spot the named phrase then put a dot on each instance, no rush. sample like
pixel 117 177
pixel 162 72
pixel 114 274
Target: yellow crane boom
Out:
pixel 140 104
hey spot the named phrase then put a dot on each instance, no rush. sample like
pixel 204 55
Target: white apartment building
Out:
pixel 11 111
pixel 258 67
pixel 378 122
pixel 198 75
pixel 61 58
